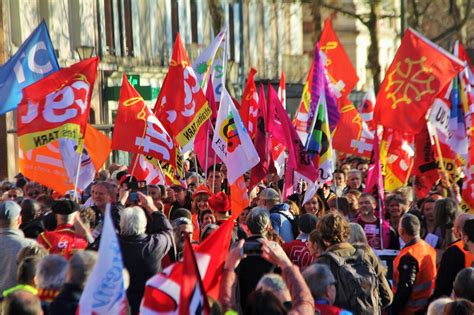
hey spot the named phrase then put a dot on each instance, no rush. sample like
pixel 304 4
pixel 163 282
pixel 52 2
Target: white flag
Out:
pixel 231 141
pixel 104 292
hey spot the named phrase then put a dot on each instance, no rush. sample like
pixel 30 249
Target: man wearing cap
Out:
pixel 64 240
pixel 220 205
pixel 12 240
pixel 468 236
pixel 280 215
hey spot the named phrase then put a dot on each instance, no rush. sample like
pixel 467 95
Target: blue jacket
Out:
pixel 280 223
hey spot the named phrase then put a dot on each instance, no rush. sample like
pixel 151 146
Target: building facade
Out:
pixel 136 37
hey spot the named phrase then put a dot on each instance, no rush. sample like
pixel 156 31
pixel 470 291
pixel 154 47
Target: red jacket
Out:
pixel 63 241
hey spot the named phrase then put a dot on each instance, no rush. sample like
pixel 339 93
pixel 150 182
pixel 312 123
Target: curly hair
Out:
pixel 334 228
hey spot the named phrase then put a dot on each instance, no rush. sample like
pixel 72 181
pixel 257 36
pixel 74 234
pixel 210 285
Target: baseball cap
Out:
pixel 269 194
pixel 9 210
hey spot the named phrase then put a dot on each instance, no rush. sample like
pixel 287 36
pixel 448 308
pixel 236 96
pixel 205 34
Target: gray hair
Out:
pixel 354 172
pixel 272 282
pixel 51 272
pixel 357 234
pixel 463 286
pixel 80 266
pixel 257 220
pixel 437 306
pixel 132 221
pixel 318 277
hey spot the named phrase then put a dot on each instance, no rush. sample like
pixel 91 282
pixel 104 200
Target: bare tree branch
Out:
pixel 457 26
pixel 360 17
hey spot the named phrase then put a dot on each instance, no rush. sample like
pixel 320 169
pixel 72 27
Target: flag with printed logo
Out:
pixel 57 106
pixel 231 140
pixel 138 130
pixel 202 66
pixel 249 105
pixel 182 106
pixel 419 71
pixel 34 60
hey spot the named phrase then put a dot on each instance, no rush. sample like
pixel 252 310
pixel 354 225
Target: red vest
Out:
pixel 425 256
pixel 63 241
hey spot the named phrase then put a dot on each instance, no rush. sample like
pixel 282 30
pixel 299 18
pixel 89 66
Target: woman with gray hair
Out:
pixel 142 253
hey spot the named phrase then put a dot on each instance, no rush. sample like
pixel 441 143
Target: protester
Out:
pixel 50 277
pixel 315 205
pixel 463 286
pixel 142 253
pixel 414 269
pixel 396 206
pixel 315 244
pixel 365 292
pixel 454 259
pixel 12 240
pixel 79 267
pixel 281 217
pixel 339 183
pixel 297 250
pixel 354 181
pixel 31 224
pixel 322 285
pixel 468 236
pixel 22 302
pixel 64 240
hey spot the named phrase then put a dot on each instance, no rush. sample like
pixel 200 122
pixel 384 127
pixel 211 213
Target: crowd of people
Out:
pixel 320 257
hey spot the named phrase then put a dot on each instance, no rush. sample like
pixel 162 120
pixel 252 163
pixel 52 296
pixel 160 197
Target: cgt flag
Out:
pixel 181 106
pixel 138 130
pixel 34 60
pixel 249 107
pixel 419 71
pixel 231 141
pixel 57 106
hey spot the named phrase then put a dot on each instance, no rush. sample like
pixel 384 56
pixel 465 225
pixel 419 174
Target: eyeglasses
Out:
pixel 12 196
pixel 33 193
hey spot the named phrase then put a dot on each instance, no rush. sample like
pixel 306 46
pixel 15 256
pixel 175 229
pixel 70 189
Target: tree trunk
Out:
pixel 373 53
pixel 217 15
pixel 317 19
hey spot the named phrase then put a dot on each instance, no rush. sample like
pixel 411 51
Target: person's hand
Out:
pixel 273 253
pixel 146 202
pixel 123 195
pixel 235 255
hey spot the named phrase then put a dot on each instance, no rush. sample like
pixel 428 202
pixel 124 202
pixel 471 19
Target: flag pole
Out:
pixel 206 164
pixel 133 168
pixel 76 181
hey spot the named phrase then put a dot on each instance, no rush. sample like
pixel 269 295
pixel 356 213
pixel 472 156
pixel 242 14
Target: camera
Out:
pixel 253 248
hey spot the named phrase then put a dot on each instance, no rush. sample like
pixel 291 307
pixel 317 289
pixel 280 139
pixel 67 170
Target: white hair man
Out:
pixel 78 270
pixel 322 284
pixel 12 240
pixel 142 253
pixel 49 278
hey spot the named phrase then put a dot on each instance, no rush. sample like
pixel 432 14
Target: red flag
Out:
pixel 366 109
pixel 138 130
pixel 260 170
pixel 343 77
pixel 419 71
pixel 203 139
pixel 280 126
pixel 147 169
pixel 249 108
pixel 192 296
pixel 162 291
pixel 425 167
pixel 181 105
pixel 352 135
pixel 57 106
pixel 397 156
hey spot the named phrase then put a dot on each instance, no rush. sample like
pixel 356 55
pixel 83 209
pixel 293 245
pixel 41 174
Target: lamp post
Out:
pixel 85 52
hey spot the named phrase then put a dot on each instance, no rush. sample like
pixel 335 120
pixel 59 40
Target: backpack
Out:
pixel 357 283
pixel 293 221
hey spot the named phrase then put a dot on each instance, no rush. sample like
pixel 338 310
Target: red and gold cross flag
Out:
pixel 419 71
pixel 341 72
pixel 57 106
pixel 181 106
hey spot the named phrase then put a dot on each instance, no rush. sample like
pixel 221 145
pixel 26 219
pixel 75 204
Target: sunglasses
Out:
pixel 33 193
pixel 12 196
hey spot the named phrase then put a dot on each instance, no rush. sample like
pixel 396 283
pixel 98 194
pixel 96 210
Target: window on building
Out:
pixel 109 26
pixel 127 13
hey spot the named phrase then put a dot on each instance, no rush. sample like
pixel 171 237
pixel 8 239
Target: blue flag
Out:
pixel 34 60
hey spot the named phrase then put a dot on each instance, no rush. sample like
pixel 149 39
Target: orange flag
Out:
pixel 181 106
pixel 419 71
pixel 239 198
pixel 341 72
pixel 46 166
